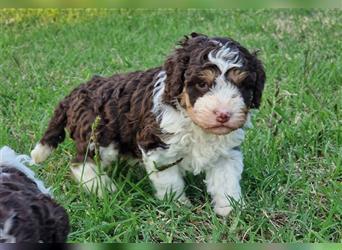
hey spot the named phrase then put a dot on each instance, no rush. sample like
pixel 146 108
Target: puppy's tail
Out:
pixel 54 135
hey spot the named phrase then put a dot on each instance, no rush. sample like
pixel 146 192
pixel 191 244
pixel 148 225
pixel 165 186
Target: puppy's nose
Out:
pixel 222 116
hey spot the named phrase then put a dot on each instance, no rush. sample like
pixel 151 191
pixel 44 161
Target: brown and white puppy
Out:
pixel 27 211
pixel 187 115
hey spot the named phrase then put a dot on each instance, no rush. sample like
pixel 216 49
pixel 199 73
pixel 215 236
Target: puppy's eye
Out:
pixel 201 86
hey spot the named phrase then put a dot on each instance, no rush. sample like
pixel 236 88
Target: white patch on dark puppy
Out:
pixel 9 157
pixel 93 180
pixel 108 154
pixel 40 153
pixel 5 236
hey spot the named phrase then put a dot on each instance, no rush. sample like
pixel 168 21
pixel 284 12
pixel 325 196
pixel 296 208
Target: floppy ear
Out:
pixel 175 66
pixel 259 84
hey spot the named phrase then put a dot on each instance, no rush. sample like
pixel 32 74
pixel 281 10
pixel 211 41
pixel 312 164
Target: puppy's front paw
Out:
pixel 223 211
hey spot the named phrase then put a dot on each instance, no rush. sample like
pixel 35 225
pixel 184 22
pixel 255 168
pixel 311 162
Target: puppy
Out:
pixel 27 211
pixel 187 115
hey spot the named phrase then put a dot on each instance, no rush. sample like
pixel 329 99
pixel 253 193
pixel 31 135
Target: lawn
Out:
pixel 292 179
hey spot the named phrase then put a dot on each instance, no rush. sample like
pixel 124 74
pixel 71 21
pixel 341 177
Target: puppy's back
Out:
pixel 121 101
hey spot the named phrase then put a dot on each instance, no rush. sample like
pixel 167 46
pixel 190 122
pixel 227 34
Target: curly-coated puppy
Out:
pixel 187 115
pixel 27 211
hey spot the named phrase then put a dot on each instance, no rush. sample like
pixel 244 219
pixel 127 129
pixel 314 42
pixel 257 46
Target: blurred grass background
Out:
pixel 292 178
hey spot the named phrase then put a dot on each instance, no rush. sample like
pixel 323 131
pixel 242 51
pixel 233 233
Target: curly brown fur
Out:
pixel 122 101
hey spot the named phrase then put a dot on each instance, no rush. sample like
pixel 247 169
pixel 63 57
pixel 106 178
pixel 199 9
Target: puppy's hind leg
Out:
pixel 91 176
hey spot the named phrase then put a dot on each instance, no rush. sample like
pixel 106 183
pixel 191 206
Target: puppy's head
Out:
pixel 215 80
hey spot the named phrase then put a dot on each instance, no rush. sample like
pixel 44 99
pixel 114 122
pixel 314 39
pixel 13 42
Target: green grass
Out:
pixel 292 179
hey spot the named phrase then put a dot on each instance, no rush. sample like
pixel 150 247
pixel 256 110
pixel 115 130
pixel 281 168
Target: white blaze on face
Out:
pixel 226 58
pixel 223 97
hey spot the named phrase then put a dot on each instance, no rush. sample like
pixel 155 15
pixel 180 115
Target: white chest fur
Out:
pixel 199 150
